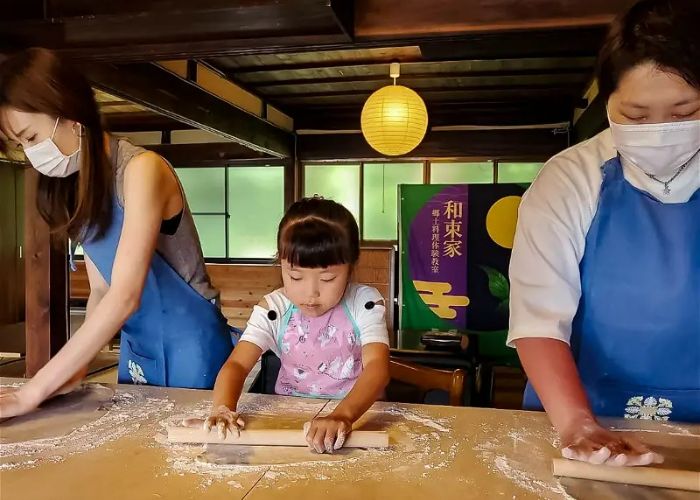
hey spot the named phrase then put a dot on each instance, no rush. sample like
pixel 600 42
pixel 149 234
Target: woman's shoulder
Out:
pixel 588 154
pixel 572 176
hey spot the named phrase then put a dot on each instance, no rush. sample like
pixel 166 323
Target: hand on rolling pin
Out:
pixel 588 441
pixel 327 434
pixel 224 420
pixel 17 401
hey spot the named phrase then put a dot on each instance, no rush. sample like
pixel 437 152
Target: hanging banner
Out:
pixel 455 249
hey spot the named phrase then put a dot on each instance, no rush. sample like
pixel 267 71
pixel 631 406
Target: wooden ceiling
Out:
pixel 496 63
pixel 326 89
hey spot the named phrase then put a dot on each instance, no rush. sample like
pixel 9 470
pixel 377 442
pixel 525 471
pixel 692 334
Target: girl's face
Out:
pixel 27 129
pixel 315 290
pixel 648 94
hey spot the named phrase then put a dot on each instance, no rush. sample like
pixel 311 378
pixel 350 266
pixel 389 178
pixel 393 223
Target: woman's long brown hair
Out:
pixel 38 81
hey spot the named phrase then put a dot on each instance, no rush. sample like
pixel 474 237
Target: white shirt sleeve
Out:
pixel 261 330
pixel 553 220
pixel 550 238
pixel 371 322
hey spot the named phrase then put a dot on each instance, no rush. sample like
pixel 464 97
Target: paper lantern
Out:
pixel 394 120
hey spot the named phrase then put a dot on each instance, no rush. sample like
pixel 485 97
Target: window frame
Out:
pixel 426 179
pixel 288 193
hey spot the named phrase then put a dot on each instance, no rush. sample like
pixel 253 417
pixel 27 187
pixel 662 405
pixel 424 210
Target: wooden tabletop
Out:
pixel 437 452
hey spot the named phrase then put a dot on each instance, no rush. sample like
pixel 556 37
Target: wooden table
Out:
pixel 437 453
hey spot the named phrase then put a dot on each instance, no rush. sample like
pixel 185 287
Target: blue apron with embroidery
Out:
pixel 636 335
pixel 176 338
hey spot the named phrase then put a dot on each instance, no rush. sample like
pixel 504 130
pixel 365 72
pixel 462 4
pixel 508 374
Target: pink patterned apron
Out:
pixel 321 357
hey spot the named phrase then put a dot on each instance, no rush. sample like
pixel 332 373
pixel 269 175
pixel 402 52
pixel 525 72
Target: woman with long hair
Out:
pixel 127 208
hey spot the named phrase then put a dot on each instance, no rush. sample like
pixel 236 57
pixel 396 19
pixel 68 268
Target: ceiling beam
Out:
pixel 145 121
pixel 209 154
pixel 591 117
pixel 401 18
pixel 136 31
pixel 178 99
pixel 530 144
pixel 149 30
pixel 433 84
pixel 435 94
pixel 517 75
pixel 342 69
pixel 446 114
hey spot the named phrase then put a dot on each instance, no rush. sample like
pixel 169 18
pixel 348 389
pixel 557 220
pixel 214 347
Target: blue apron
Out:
pixel 636 335
pixel 176 338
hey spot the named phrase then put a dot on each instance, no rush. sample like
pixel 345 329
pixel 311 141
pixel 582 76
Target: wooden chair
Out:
pixel 427 379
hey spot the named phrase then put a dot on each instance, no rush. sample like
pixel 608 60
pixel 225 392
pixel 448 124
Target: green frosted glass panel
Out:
pixel 204 187
pixel 461 173
pixel 381 181
pixel 518 173
pixel 256 205
pixel 340 183
pixel 212 234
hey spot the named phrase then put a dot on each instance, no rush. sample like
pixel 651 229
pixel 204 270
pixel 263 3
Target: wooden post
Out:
pixel 46 285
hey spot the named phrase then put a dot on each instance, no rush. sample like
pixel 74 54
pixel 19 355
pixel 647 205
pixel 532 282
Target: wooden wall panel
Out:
pixel 12 338
pixel 8 246
pixel 46 285
pixel 243 286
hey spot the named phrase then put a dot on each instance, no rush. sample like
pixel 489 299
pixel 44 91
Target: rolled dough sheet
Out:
pixel 223 454
pixel 58 416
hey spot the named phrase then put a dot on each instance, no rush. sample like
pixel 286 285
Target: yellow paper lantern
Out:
pixel 394 120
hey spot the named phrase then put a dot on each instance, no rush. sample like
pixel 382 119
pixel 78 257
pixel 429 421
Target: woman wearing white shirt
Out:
pixel 605 271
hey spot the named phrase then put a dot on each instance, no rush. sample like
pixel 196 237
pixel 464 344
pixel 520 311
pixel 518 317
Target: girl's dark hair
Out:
pixel 664 32
pixel 38 81
pixel 318 233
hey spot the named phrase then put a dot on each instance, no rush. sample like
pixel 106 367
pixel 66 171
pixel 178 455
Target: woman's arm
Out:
pixel 148 187
pixel 326 434
pixel 98 289
pixel 551 369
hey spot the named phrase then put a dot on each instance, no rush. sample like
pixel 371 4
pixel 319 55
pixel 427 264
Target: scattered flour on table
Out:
pixel 415 439
pixel 523 456
pixel 124 414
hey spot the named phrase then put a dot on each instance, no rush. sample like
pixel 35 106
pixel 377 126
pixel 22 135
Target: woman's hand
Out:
pixel 15 401
pixel 224 420
pixel 327 434
pixel 587 441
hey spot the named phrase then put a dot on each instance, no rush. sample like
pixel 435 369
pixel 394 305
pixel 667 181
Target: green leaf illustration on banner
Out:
pixel 498 284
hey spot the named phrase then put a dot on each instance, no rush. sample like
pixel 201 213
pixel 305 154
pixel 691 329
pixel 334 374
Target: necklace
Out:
pixel 667 190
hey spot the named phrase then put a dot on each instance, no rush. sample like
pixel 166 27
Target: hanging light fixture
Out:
pixel 394 118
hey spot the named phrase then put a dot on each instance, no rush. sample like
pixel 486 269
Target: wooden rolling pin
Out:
pixel 642 476
pixel 357 439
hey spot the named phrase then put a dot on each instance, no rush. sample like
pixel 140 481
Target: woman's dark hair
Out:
pixel 663 32
pixel 38 81
pixel 318 233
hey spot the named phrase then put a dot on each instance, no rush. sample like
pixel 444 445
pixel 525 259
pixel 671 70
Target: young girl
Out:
pixel 329 334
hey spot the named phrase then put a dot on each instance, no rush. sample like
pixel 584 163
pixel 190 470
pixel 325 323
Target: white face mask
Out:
pixel 659 149
pixel 48 159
